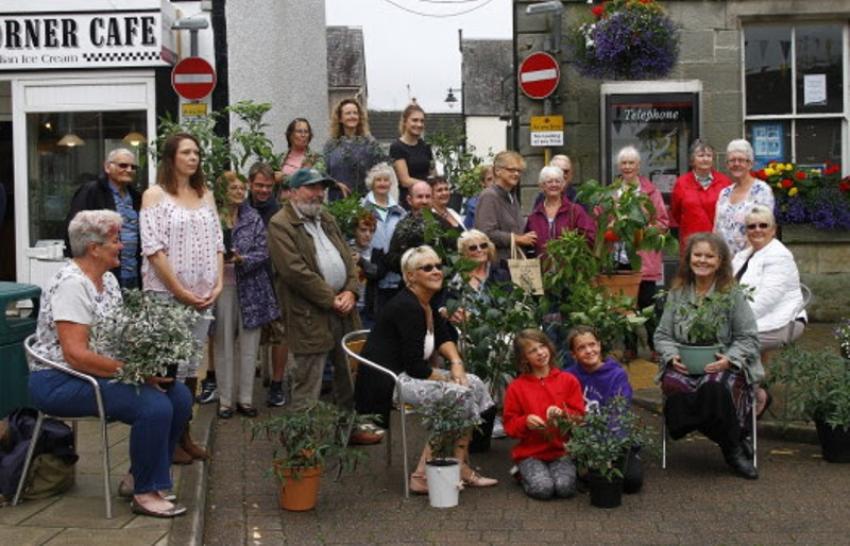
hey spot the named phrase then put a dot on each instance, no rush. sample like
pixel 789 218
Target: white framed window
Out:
pixel 795 85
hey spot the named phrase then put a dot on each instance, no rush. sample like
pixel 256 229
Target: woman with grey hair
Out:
pixel 408 334
pixel 555 213
pixel 769 267
pixel 736 200
pixel 82 295
pixel 382 201
pixel 694 197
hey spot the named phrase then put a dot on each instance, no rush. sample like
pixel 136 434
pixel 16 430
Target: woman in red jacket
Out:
pixel 540 393
pixel 694 198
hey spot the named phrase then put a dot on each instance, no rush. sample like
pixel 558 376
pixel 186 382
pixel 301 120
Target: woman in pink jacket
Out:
pixel 652 263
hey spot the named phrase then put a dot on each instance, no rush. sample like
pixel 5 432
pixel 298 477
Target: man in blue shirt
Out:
pixel 114 190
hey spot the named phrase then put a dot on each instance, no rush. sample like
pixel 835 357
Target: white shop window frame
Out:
pixel 844 115
pixel 101 94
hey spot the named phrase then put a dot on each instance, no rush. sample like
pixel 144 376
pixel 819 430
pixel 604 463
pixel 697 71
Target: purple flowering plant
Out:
pixel 625 40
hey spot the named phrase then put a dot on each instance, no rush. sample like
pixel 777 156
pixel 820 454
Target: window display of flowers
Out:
pixel 625 40
pixel 809 195
pixel 150 335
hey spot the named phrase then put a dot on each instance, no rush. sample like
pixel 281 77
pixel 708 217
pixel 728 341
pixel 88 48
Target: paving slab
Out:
pixel 25 536
pixel 107 537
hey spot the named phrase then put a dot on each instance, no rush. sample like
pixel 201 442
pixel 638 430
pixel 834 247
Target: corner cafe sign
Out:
pixel 86 40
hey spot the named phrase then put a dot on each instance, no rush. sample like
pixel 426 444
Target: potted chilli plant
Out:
pixel 624 218
pixel 307 439
pixel 446 424
pixel 818 388
pixel 701 320
pixel 599 443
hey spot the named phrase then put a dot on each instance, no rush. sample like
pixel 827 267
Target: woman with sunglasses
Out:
pixel 737 200
pixel 769 267
pixel 407 338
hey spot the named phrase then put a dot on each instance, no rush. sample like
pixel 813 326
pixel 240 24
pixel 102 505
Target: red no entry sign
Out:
pixel 193 78
pixel 539 75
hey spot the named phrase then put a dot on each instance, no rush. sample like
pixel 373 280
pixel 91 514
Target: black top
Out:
pixel 397 342
pixel 418 158
pixel 96 195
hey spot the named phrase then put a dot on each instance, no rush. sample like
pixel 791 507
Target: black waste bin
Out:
pixel 16 323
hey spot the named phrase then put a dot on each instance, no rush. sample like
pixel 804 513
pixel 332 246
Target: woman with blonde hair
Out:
pixel 351 151
pixel 411 155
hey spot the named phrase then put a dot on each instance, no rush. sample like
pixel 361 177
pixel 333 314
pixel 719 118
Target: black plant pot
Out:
pixel 834 442
pixel 480 442
pixel 604 493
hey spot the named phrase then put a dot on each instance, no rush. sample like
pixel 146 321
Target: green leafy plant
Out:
pixel 623 215
pixel 487 333
pixel 600 441
pixel 346 211
pixel 842 334
pixel 148 334
pixel 310 437
pixel 460 162
pixel 817 384
pixel 445 421
pixel 704 317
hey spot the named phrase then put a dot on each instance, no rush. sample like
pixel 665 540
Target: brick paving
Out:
pixel 798 499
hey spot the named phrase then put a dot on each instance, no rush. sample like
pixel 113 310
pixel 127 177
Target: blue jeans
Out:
pixel 156 419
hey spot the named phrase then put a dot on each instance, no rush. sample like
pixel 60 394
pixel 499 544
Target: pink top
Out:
pixel 293 161
pixel 191 240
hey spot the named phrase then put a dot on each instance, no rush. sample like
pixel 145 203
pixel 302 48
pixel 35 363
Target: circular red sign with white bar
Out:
pixel 539 74
pixel 193 78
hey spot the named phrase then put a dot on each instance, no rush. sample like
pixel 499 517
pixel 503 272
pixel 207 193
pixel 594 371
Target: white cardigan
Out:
pixel 773 273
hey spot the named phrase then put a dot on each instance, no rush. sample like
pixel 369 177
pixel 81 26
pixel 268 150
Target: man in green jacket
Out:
pixel 318 279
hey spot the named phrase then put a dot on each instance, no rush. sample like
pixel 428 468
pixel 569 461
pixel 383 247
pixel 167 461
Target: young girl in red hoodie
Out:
pixel 541 392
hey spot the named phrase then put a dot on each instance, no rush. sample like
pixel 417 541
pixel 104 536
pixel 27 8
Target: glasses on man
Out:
pixel 479 246
pixel 126 166
pixel 760 225
pixel 427 268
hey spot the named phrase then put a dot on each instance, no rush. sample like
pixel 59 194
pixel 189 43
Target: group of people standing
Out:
pixel 274 267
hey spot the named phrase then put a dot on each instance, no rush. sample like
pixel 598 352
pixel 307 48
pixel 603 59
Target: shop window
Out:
pixel 67 149
pixel 795 105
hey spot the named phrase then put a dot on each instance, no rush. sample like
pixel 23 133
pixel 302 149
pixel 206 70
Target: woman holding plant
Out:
pixel 81 296
pixel 542 393
pixel 407 336
pixel 735 201
pixel 247 301
pixel 715 400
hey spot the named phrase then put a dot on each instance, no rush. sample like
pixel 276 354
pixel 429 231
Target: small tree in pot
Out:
pixel 446 423
pixel 307 439
pixel 599 444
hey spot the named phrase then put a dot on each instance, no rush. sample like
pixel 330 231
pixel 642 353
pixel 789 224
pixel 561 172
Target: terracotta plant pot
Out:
pixel 623 283
pixel 299 490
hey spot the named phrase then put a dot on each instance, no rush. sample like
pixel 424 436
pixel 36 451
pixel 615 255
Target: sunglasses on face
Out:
pixel 479 246
pixel 126 166
pixel 761 225
pixel 427 268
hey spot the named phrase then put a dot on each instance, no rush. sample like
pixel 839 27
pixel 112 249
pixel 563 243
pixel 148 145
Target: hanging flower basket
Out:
pixel 625 40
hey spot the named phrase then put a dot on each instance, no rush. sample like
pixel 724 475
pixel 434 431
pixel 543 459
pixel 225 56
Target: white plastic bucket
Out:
pixel 443 482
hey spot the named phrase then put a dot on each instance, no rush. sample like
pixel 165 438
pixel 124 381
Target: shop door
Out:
pixel 68 128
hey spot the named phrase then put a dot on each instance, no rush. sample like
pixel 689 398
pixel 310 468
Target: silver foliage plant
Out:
pixel 147 334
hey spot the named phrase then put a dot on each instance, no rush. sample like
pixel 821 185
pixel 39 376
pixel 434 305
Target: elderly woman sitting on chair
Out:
pixel 82 294
pixel 407 333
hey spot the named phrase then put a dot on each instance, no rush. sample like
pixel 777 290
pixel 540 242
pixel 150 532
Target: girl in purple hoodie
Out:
pixel 602 380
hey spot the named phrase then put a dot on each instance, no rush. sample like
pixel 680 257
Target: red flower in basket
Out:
pixel 844 185
pixel 831 168
pixel 598 11
pixel 800 175
pixel 787 183
pixel 611 236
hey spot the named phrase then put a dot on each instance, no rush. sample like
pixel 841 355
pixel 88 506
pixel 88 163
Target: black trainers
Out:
pixel 277 395
pixel 209 391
